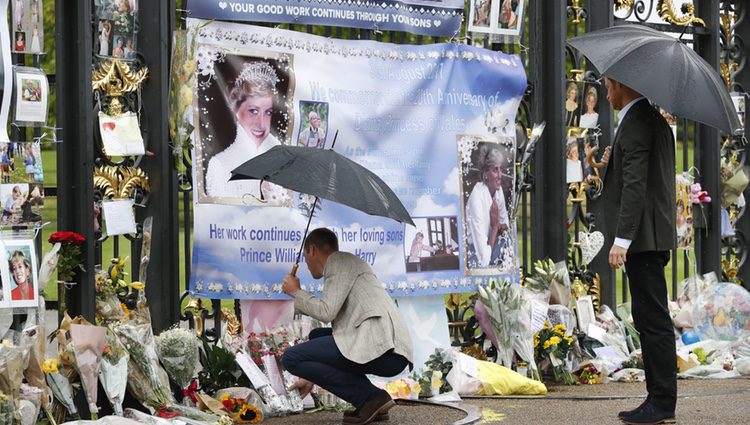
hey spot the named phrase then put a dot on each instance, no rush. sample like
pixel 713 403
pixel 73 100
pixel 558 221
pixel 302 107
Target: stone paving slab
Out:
pixel 700 402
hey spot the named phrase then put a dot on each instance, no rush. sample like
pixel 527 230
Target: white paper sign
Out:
pixel 538 315
pixel 468 365
pixel 257 378
pixel 121 135
pixel 596 332
pixel 119 216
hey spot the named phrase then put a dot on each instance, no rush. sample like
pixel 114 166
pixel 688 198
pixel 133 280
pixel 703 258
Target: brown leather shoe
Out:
pixel 382 417
pixel 375 406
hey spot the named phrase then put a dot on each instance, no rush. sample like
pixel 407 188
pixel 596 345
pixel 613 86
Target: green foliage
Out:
pixel 220 370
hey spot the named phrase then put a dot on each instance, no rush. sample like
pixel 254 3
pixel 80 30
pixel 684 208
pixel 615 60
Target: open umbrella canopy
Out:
pixel 663 69
pixel 325 174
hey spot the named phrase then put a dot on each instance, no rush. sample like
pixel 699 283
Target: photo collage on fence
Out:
pixel 582 150
pixel 116 28
pixel 27 26
pixel 501 17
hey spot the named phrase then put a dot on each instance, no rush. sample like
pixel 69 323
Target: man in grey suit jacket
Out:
pixel 368 335
pixel 639 210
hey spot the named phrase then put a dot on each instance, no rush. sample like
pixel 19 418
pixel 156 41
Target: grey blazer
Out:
pixel 366 322
pixel 639 189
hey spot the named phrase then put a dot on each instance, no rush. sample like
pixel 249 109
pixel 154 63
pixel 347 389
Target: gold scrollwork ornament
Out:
pixel 624 5
pixel 120 182
pixel 115 78
pixel 667 12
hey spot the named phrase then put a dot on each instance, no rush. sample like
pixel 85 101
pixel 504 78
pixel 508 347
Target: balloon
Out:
pixel 690 337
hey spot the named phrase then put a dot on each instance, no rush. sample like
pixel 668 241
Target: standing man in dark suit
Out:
pixel 639 199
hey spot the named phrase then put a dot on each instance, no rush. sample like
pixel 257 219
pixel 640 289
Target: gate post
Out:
pixel 601 16
pixel 157 23
pixel 708 148
pixel 75 156
pixel 547 74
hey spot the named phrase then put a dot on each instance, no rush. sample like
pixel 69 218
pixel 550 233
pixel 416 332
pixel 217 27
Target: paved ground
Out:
pixel 700 402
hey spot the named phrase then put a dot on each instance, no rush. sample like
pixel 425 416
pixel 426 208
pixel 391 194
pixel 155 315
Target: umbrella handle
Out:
pixel 294 269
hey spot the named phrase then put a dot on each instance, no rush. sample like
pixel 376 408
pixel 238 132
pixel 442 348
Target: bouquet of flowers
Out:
pixel 589 374
pixel 552 343
pixel 178 352
pixel 220 370
pixel 59 385
pixel 266 349
pixel 182 82
pixel 509 308
pixel 69 256
pixel 404 388
pixel 240 410
pixel 113 371
pixel 147 381
pixel 430 380
pixel 108 306
pixel 734 180
pixel 88 344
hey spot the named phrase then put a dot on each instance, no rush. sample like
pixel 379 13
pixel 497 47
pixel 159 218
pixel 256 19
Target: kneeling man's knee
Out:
pixel 289 360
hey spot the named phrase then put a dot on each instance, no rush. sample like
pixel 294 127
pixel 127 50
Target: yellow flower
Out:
pixel 138 286
pixel 732 273
pixel 392 388
pixel 569 340
pixel 122 283
pixel 186 95
pixel 3 396
pixel 250 414
pixel 189 67
pixel 554 340
pixel 121 263
pixel 546 344
pixel 416 388
pixel 50 366
pixel 224 397
pixel 403 389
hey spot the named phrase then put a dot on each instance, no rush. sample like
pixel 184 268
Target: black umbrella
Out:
pixel 663 69
pixel 325 174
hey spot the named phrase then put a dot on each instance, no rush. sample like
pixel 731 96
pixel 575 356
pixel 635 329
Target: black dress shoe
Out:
pixel 651 415
pixel 626 413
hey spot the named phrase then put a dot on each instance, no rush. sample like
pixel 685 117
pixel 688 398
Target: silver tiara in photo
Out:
pixel 255 71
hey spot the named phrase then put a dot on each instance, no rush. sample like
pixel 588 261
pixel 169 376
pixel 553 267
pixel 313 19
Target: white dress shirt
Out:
pixel 625 243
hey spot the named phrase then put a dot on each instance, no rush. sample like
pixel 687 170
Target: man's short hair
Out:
pixel 323 238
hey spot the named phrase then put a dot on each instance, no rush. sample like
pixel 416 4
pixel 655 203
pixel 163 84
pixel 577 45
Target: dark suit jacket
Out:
pixel 639 188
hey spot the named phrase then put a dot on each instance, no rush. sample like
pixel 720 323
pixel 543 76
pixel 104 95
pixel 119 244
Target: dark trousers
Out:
pixel 648 289
pixel 319 360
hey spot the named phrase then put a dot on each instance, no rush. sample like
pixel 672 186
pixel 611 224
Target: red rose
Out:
pixel 67 237
pixel 228 404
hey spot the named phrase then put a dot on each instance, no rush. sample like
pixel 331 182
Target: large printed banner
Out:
pixel 426 17
pixel 435 122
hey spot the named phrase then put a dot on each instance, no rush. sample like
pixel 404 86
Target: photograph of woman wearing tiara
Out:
pixel 255 91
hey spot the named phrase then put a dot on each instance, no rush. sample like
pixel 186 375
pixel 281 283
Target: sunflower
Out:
pixel 250 414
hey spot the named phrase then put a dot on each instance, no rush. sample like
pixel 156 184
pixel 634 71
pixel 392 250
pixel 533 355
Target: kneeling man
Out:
pixel 368 334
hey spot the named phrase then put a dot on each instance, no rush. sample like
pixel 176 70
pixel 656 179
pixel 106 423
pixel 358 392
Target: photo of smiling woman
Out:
pixel 21 269
pixel 487 183
pixel 252 94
